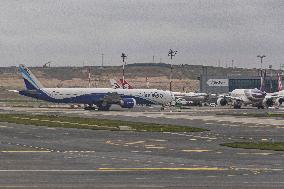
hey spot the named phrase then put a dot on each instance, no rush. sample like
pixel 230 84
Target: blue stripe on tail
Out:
pixel 29 86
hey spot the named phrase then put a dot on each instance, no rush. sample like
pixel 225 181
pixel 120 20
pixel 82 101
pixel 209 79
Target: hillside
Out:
pixel 185 77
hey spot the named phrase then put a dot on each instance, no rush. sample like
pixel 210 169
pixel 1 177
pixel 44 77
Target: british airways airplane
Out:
pixel 103 98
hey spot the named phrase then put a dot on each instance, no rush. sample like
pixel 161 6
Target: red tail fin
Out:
pixel 125 84
pixel 279 82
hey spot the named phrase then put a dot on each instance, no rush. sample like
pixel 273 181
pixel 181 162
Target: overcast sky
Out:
pixel 70 32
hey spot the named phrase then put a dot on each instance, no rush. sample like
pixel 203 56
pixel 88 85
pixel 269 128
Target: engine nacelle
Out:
pixel 222 102
pixel 128 103
pixel 279 101
pixel 268 102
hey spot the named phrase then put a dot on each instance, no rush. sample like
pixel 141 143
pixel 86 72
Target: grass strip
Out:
pixel 276 146
pixel 92 123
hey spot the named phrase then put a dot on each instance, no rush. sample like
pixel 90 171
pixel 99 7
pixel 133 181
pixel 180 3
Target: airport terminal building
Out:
pixel 224 84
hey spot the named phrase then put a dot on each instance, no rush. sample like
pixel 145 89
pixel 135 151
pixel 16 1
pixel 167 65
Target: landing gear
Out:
pixel 89 107
pixel 260 107
pixel 104 107
pixel 237 105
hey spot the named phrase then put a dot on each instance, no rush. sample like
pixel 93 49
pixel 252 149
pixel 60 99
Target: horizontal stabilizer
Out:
pixel 14 91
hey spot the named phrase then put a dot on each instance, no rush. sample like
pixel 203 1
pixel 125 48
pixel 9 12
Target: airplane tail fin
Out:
pixel 125 84
pixel 30 80
pixel 262 81
pixel 280 86
pixel 114 84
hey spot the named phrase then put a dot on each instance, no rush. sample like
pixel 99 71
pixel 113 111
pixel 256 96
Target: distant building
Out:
pixel 225 84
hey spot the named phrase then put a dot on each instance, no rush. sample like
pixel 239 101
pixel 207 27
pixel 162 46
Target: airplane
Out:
pixel 125 84
pixel 103 98
pixel 277 97
pixel 191 97
pixel 239 97
pixel 115 85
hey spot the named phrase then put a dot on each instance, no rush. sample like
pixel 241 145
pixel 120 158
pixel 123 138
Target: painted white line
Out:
pixel 155 147
pixel 27 151
pixel 137 142
pixel 196 150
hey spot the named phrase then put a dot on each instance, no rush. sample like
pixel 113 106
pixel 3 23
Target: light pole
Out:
pixel 171 54
pixel 102 60
pixel 271 87
pixel 124 57
pixel 261 57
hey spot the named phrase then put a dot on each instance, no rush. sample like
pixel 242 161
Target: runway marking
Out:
pixel 140 178
pixel 165 169
pixel 178 177
pixel 149 145
pixel 122 169
pixel 256 170
pixel 160 140
pixel 264 154
pixel 16 186
pixel 196 150
pixel 137 142
pixel 26 151
pixel 155 147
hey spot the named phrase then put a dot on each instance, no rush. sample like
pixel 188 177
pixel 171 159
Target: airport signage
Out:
pixel 218 82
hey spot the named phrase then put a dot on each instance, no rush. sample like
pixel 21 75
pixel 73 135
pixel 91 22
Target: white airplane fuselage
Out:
pixel 101 97
pixel 93 95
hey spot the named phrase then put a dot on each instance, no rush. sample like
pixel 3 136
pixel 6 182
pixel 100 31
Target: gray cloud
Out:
pixel 69 32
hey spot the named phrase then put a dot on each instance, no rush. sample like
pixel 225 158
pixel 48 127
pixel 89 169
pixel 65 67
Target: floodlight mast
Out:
pixel 261 57
pixel 124 57
pixel 171 54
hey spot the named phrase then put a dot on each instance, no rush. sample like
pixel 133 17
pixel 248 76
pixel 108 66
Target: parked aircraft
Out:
pixel 114 84
pixel 125 84
pixel 239 97
pixel 193 98
pixel 277 97
pixel 120 85
pixel 103 98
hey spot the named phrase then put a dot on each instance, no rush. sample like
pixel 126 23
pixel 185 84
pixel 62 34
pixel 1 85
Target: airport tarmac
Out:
pixel 46 157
